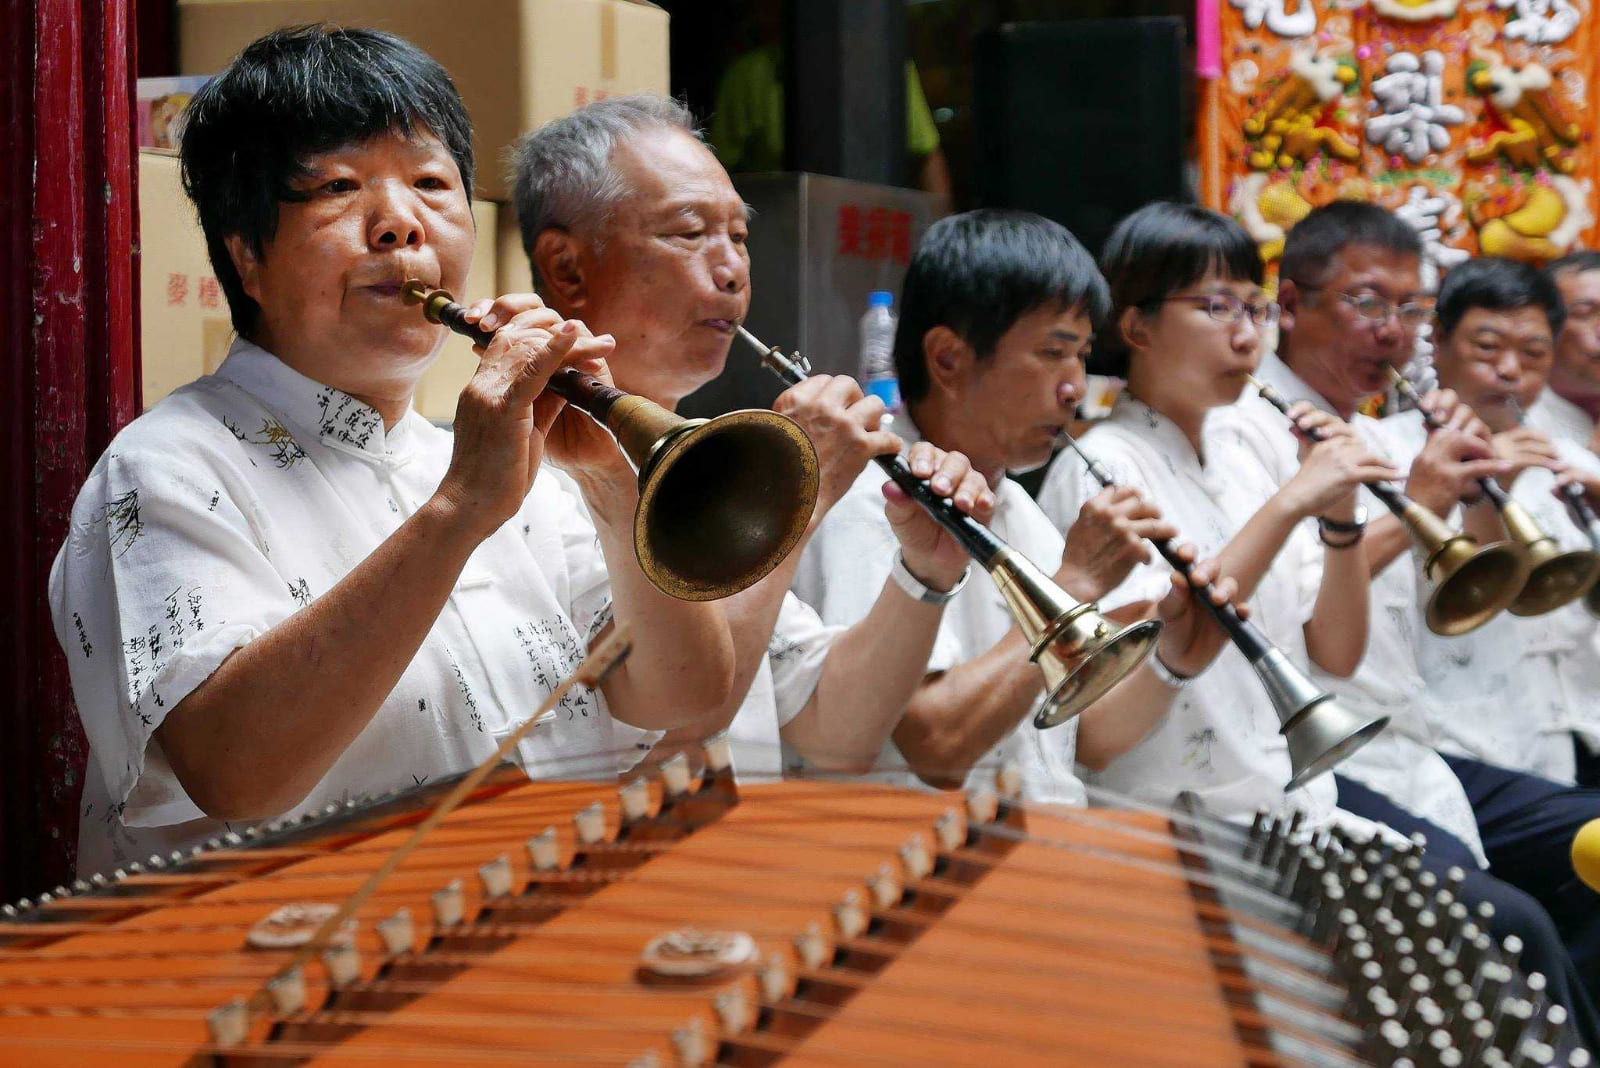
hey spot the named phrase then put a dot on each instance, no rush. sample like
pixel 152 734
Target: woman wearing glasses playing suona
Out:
pixel 1187 323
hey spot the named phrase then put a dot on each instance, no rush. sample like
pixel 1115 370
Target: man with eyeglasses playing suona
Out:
pixel 1351 295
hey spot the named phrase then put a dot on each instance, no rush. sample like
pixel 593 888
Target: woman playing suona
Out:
pixel 1188 315
pixel 283 587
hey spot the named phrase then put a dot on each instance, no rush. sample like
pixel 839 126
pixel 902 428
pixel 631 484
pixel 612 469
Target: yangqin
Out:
pixel 686 920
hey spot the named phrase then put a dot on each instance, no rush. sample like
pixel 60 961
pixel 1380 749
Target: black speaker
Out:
pixel 1081 121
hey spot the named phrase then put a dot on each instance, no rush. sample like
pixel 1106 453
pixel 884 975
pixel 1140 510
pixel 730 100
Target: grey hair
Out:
pixel 562 176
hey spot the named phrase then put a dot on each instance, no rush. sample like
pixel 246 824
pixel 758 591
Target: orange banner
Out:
pixel 1467 117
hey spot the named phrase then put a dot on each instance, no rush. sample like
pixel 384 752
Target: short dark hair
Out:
pixel 1573 263
pixel 1160 249
pixel 293 94
pixel 978 273
pixel 1329 230
pixel 1498 285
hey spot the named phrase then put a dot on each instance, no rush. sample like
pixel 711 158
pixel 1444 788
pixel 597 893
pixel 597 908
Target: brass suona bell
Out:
pixel 1555 576
pixel 1472 583
pixel 1081 653
pixel 1320 731
pixel 721 501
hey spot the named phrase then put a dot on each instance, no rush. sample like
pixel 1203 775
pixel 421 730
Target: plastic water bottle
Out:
pixel 877 375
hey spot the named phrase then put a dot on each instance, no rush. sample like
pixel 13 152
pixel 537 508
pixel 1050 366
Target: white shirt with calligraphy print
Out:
pixel 240 499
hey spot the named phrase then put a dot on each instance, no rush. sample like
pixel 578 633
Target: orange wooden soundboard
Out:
pixel 889 927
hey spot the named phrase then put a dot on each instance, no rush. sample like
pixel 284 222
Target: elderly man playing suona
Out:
pixel 1497 325
pixel 1352 298
pixel 1569 408
pixel 631 223
pixel 283 587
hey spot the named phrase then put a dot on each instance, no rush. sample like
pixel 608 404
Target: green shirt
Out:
pixel 747 129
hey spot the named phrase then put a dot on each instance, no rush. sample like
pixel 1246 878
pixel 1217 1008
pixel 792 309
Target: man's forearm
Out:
pixel 258 735
pixel 1122 719
pixel 957 717
pixel 681 669
pixel 868 678
pixel 752 617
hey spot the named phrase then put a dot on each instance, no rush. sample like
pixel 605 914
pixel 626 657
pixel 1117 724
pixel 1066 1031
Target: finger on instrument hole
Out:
pixel 983 507
pixel 1200 573
pixel 946 479
pixel 884 443
pixel 843 391
pixel 535 372
pixel 867 410
pixel 589 353
pixel 923 459
pixel 1153 528
pixel 1475 469
pixel 1138 506
pixel 1223 590
pixel 507 307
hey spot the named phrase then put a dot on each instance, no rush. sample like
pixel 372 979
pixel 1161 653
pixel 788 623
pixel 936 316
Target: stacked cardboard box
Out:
pixel 517 63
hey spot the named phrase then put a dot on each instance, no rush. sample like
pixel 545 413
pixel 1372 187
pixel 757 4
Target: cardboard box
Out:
pixel 185 329
pixel 161 104
pixel 184 326
pixel 512 270
pixel 517 63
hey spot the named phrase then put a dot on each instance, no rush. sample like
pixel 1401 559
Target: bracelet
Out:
pixel 1349 533
pixel 1165 675
pixel 918 590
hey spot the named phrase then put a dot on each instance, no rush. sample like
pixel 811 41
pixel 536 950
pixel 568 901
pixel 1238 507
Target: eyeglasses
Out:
pixel 1376 309
pixel 1226 308
pixel 1583 311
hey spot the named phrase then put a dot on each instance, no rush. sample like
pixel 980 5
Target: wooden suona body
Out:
pixel 891 926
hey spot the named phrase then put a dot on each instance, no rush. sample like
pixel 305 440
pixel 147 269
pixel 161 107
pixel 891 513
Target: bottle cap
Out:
pixel 880 299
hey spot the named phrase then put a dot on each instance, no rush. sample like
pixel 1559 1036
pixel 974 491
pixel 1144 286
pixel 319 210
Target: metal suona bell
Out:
pixel 721 501
pixel 1472 583
pixel 1320 731
pixel 1577 502
pixel 1555 576
pixel 1081 653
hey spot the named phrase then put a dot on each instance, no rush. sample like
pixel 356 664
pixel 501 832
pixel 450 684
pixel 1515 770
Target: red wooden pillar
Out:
pixel 68 379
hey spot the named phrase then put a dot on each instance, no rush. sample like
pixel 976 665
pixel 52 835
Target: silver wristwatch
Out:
pixel 1165 675
pixel 917 590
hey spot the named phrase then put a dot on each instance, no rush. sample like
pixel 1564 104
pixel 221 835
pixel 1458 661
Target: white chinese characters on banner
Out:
pixel 1415 119
pixel 1301 22
pixel 1539 21
pixel 1427 214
